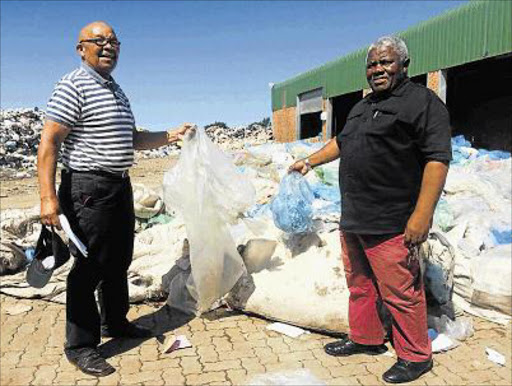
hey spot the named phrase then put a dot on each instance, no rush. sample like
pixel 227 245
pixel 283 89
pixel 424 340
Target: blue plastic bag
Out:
pixel 291 208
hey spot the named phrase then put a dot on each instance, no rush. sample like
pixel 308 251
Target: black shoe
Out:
pixel 406 371
pixel 346 347
pixel 89 361
pixel 126 330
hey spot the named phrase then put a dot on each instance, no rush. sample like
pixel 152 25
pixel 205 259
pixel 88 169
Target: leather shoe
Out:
pixel 346 347
pixel 89 361
pixel 406 371
pixel 126 330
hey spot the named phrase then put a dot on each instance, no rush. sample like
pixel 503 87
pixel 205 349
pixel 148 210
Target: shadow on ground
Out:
pixel 159 322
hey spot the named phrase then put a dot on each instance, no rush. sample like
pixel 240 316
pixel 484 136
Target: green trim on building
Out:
pixel 474 31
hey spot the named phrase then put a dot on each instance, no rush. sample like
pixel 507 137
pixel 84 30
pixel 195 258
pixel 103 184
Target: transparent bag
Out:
pixel 291 208
pixel 205 187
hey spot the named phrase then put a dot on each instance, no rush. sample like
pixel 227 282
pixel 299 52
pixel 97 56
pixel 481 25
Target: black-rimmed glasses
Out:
pixel 102 42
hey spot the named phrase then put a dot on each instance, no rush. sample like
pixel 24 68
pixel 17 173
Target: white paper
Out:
pixel 176 343
pixel 443 343
pixel 67 228
pixel 286 329
pixel 495 356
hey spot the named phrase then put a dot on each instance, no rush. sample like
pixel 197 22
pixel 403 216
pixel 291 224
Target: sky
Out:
pixel 193 61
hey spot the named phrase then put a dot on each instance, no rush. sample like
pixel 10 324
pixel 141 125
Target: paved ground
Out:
pixel 228 349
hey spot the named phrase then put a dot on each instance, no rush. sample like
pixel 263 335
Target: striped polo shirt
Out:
pixel 100 118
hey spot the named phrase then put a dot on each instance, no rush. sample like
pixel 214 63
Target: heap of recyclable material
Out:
pixel 467 256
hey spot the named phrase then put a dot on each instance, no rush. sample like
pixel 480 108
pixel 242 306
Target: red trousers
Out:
pixel 380 267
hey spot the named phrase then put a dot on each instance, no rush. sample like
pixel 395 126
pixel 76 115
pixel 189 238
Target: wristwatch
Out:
pixel 308 164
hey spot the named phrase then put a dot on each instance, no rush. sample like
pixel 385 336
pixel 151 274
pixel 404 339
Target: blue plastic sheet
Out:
pixel 494 155
pixel 291 208
pixel 462 151
pixel 501 236
pixel 326 192
pixel 459 141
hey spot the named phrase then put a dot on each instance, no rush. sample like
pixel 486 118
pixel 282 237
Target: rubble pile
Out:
pixel 228 138
pixel 239 137
pixel 20 132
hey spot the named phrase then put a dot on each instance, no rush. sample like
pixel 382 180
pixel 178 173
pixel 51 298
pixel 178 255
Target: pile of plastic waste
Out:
pixel 467 259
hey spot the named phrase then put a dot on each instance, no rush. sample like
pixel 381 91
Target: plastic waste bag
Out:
pixel 291 208
pixel 146 202
pixel 459 329
pixel 205 187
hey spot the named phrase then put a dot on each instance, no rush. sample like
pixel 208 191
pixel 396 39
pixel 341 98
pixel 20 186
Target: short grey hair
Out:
pixel 391 41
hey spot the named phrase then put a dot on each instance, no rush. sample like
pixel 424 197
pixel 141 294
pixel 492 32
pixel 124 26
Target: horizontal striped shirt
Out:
pixel 101 121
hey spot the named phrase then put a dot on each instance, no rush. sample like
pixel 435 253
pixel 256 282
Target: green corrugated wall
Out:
pixel 479 29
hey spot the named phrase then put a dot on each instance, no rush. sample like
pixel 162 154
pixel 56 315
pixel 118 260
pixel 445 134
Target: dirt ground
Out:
pixel 23 193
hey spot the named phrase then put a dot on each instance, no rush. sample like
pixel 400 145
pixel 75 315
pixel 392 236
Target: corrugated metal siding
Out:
pixel 474 31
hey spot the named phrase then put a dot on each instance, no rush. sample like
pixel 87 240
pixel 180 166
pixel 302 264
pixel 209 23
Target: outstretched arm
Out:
pixel 144 140
pixel 328 153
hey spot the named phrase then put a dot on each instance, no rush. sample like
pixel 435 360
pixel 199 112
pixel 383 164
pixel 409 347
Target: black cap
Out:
pixel 49 245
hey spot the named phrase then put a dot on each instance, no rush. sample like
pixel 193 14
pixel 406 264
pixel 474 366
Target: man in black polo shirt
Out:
pixel 394 153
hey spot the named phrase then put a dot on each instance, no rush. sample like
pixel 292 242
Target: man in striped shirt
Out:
pixel 91 116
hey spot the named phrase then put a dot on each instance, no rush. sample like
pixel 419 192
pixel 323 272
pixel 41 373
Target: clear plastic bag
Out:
pixel 459 329
pixel 291 208
pixel 205 187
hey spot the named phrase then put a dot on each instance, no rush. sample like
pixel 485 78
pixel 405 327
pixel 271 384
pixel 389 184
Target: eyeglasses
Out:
pixel 102 42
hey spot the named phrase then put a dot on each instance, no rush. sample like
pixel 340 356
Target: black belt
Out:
pixel 103 173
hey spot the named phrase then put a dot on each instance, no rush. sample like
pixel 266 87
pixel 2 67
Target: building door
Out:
pixel 309 123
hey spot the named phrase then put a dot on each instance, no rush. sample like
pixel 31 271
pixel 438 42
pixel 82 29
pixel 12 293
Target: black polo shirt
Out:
pixel 384 147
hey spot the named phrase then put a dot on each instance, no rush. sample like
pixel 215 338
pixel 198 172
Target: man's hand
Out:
pixel 174 135
pixel 420 221
pixel 50 212
pixel 416 231
pixel 299 166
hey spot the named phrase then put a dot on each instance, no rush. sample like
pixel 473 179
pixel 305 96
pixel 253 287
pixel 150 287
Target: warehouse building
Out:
pixel 464 55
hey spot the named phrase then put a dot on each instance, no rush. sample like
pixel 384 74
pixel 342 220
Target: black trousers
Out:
pixel 100 211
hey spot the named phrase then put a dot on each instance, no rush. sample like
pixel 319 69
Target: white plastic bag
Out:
pixel 205 187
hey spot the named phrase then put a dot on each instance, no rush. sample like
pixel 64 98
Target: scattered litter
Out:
pixel 286 329
pixel 17 309
pixel 296 377
pixel 495 356
pixel 174 343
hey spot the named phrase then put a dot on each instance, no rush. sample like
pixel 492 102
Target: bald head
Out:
pixel 92 29
pixel 98 47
